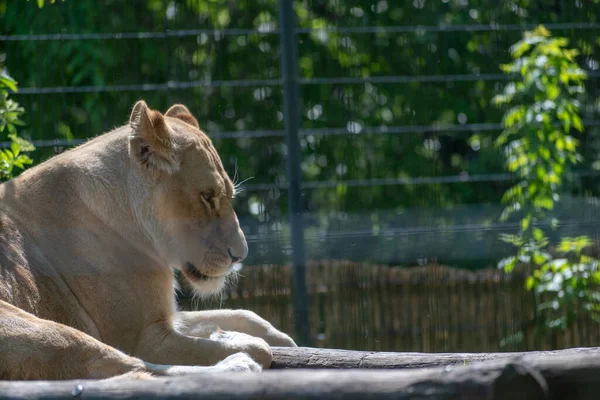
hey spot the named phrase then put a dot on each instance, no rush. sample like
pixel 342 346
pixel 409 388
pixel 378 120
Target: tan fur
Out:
pixel 88 242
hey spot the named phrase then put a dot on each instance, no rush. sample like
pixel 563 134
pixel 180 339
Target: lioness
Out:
pixel 88 243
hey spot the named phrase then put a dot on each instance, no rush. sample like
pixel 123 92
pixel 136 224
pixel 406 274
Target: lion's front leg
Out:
pixel 162 344
pixel 34 348
pixel 205 323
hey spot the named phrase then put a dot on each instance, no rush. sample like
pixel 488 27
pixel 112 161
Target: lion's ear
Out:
pixel 181 112
pixel 151 140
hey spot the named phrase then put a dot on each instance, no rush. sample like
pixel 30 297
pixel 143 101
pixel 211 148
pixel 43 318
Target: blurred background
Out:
pixel 364 133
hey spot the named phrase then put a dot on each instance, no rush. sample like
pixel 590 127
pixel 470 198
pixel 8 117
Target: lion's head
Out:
pixel 182 196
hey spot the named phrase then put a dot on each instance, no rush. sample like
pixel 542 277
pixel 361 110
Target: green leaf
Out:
pixel 14 146
pixel 223 17
pixel 519 48
pixel 530 283
pixel 23 159
pixel 8 81
pixel 552 91
pixel 577 123
pixel 539 257
pixel 9 155
pixel 525 223
pixel 508 264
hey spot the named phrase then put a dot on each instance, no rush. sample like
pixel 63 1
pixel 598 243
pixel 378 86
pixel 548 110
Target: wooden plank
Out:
pixel 316 358
pixel 549 376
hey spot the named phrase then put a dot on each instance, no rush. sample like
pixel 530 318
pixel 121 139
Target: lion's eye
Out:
pixel 206 199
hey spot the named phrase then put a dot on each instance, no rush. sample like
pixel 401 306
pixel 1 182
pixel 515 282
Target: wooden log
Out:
pixel 484 382
pixel 545 376
pixel 316 358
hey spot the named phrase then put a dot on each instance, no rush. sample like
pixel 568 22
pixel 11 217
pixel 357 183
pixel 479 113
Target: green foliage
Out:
pixel 10 113
pixel 567 284
pixel 540 149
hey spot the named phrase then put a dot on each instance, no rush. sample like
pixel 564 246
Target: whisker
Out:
pixel 244 181
pixel 235 173
pixel 237 186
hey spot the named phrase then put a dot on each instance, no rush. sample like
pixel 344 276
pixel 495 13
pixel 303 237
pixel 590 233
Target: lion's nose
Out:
pixel 234 258
pixel 238 248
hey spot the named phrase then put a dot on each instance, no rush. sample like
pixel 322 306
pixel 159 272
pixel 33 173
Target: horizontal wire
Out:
pixel 172 85
pixel 403 79
pixel 449 28
pixel 415 79
pixel 180 85
pixel 272 31
pixel 136 35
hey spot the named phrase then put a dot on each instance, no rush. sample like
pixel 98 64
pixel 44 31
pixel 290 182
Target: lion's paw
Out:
pixel 236 342
pixel 238 362
pixel 278 338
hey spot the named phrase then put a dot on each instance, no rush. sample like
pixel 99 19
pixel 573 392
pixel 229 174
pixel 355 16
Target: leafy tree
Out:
pixel 540 149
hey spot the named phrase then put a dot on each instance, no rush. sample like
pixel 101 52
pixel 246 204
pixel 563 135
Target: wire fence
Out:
pixel 290 83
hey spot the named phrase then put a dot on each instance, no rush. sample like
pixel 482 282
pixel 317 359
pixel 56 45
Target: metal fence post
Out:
pixel 291 115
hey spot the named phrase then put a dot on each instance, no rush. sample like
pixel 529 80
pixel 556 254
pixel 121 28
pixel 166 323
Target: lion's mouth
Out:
pixel 196 274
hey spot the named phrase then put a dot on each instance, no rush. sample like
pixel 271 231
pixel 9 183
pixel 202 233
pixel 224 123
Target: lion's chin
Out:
pixel 202 284
pixel 209 288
